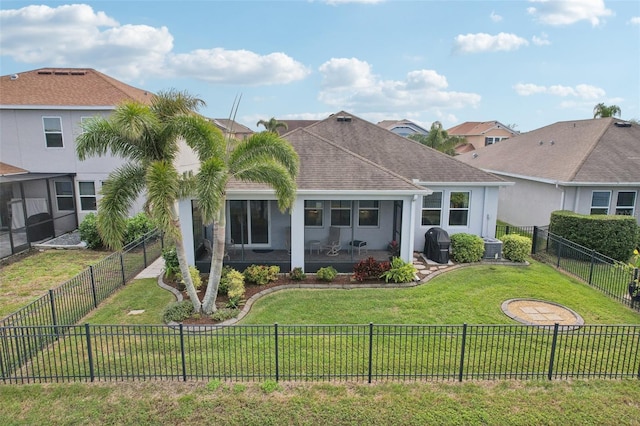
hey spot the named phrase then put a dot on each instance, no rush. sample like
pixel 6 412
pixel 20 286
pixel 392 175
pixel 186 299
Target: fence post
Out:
pixel 3 356
pixel 144 251
pixel 54 318
pixel 369 374
pixel 534 240
pixel 93 287
pixel 275 333
pixel 506 231
pixel 184 362
pixel 462 349
pixel 124 276
pixel 560 245
pixel 553 350
pixel 87 333
pixel 593 258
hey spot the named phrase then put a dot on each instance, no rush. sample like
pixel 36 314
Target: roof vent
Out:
pixel 344 118
pixel 622 124
pixel 475 155
pixel 541 142
pixel 14 76
pixel 551 142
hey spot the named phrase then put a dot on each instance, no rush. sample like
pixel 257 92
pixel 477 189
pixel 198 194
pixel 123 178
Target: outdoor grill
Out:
pixel 436 245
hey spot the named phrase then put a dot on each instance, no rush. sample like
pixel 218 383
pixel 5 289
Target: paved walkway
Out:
pixel 152 271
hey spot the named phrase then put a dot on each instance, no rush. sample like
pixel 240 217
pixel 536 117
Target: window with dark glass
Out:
pixel 600 202
pixel 625 205
pixel 64 195
pixel 459 209
pixel 87 191
pixel 340 213
pixel 368 213
pixel 313 213
pixel 53 131
pixel 432 209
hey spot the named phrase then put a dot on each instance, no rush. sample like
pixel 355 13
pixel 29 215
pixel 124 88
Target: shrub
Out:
pixel 224 314
pixel 235 290
pixel 178 311
pixel 327 274
pixel 400 271
pixel 195 277
pixel 369 269
pixel 223 287
pixel 466 248
pixel 516 247
pixel 171 264
pixel 89 232
pixel 137 227
pixel 297 274
pixel 261 274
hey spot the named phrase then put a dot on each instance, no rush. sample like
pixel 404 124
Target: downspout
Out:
pixel 562 196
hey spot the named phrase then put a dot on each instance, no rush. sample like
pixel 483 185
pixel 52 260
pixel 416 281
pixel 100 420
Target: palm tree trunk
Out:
pixel 182 260
pixel 219 237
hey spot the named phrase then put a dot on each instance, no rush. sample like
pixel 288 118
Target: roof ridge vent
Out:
pixel 344 118
pixel 622 124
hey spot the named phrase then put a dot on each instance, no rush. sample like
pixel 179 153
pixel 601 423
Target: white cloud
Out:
pixel 581 91
pixel 567 12
pixel 482 42
pixel 351 84
pixel 541 41
pixel 635 20
pixel 77 36
pixel 495 17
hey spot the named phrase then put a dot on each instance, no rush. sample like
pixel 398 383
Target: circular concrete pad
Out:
pixel 538 312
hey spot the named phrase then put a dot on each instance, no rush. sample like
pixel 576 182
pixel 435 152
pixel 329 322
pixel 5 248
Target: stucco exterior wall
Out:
pixel 529 203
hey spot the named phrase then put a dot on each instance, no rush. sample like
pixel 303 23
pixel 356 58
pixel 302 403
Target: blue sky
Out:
pixel 529 63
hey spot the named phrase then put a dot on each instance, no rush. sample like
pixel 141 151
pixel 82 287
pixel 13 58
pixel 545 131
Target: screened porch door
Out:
pixel 249 222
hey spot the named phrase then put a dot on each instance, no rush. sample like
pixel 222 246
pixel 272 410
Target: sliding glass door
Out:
pixel 249 222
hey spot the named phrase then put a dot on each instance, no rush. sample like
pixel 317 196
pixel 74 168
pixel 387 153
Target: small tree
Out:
pixel 601 110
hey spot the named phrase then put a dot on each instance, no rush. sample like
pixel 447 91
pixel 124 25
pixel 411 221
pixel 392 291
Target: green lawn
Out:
pixel 23 281
pixel 593 402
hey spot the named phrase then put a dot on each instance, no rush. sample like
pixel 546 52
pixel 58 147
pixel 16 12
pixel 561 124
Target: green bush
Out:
pixel 137 227
pixel 466 248
pixel 89 232
pixel 297 274
pixel 612 236
pixel 400 271
pixel 224 314
pixel 178 311
pixel 516 247
pixel 327 274
pixel 171 264
pixel 195 277
pixel 236 289
pixel 223 287
pixel 261 274
pixel 369 269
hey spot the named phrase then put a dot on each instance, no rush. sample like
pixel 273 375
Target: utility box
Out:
pixel 492 248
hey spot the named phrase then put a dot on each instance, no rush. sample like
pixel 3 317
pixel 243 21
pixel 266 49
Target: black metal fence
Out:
pixel 597 270
pixel 502 230
pixel 70 302
pixel 358 353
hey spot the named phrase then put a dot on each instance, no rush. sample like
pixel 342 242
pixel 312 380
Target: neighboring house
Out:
pixel 40 116
pixel 231 128
pixel 371 184
pixel 480 133
pixel 585 166
pixel 403 127
pixel 294 124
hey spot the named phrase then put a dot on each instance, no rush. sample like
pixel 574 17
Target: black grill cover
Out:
pixel 436 245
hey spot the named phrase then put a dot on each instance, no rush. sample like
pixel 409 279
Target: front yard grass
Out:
pixel 23 281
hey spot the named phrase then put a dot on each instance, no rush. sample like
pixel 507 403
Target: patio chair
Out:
pixel 333 244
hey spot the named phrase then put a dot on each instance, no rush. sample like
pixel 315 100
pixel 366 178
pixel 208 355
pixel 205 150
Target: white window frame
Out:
pixel 439 209
pixel 375 207
pixel 457 209
pixel 59 196
pixel 341 208
pixel 83 196
pixel 44 129
pixel 632 207
pixel 600 207
pixel 313 208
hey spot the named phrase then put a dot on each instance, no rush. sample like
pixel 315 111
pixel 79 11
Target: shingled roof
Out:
pixel 66 87
pixel 477 128
pixel 605 150
pixel 403 156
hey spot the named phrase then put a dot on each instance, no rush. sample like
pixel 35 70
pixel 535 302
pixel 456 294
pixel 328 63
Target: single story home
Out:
pixel 359 184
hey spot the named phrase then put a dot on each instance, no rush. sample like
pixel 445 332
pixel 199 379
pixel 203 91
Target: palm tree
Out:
pixel 147 136
pixel 262 158
pixel 272 125
pixel 601 110
pixel 439 139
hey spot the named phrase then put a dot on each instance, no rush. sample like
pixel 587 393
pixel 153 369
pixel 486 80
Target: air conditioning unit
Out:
pixel 492 248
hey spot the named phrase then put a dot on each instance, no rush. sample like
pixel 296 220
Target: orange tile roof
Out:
pixel 473 128
pixel 8 169
pixel 67 87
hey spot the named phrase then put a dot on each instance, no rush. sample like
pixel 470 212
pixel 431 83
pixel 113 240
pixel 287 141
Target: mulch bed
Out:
pixel 250 290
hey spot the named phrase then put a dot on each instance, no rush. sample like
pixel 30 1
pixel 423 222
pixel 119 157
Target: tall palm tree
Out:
pixel 262 158
pixel 272 125
pixel 148 136
pixel 601 110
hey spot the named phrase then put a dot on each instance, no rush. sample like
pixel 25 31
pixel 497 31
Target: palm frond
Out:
pixel 199 134
pixel 119 192
pixel 261 147
pixel 172 102
pixel 274 175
